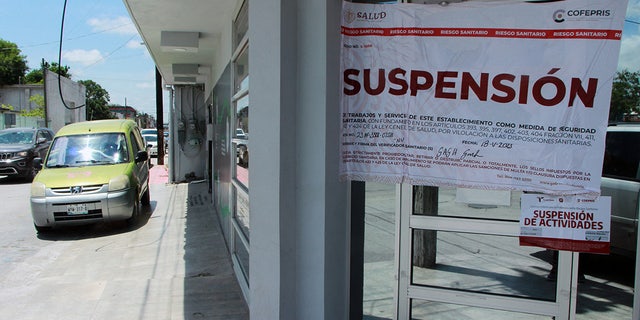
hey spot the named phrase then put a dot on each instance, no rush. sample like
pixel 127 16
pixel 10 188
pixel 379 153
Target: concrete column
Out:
pixel 299 221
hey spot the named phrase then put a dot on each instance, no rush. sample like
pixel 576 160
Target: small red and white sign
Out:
pixel 570 223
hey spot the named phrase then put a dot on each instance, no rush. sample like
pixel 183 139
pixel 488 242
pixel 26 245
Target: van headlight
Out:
pixel 38 190
pixel 118 183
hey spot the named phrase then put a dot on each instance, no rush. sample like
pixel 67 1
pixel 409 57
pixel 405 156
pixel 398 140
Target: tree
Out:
pixel 13 64
pixel 625 95
pixel 97 101
pixel 36 76
pixel 36 112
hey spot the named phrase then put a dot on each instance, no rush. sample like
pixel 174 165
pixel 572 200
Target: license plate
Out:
pixel 75 209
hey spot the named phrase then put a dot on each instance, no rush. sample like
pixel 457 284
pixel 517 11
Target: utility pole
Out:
pixel 159 117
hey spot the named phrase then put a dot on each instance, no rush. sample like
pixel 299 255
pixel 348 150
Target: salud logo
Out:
pixel 558 16
pixel 349 16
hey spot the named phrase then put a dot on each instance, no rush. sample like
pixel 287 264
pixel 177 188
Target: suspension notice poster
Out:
pixel 490 94
pixel 566 223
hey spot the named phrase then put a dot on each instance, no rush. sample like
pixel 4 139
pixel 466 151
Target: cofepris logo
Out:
pixel 563 15
pixel 351 16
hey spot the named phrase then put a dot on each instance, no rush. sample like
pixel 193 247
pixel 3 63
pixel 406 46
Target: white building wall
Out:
pixel 299 221
pixel 74 95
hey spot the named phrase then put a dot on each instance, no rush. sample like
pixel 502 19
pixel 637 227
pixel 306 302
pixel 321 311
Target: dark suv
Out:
pixel 18 148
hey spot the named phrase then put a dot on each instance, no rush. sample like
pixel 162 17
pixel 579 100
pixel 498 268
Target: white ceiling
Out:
pixel 207 17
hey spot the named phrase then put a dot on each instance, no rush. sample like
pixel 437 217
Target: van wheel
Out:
pixel 131 222
pixel 146 198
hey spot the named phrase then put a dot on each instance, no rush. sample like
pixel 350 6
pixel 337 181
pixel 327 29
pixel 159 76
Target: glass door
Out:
pixel 462 260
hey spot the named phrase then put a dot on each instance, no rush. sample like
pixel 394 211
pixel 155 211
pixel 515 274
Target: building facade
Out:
pixel 255 110
pixel 28 97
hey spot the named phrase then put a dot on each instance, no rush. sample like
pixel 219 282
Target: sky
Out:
pixel 100 43
pixel 630 47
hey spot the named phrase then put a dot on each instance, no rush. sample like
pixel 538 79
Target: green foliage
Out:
pixel 55 68
pixel 36 112
pixel 38 99
pixel 7 106
pixel 625 95
pixel 36 76
pixel 97 101
pixel 13 64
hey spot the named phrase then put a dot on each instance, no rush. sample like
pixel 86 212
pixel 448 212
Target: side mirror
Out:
pixel 141 156
pixel 41 140
pixel 37 163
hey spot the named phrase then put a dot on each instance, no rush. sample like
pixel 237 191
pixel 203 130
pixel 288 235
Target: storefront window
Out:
pixel 241 25
pixel 241 216
pixel 241 140
pixel 241 118
pixel 240 143
pixel 241 71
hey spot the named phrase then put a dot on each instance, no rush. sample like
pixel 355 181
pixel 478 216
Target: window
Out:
pixel 240 143
pixel 9 120
pixel 241 25
pixel 621 155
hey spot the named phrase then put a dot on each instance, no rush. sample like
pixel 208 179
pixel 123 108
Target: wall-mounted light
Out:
pixel 179 41
pixel 185 69
pixel 185 80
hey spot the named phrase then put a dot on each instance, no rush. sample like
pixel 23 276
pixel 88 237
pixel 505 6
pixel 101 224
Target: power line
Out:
pixel 71 38
pixel 64 10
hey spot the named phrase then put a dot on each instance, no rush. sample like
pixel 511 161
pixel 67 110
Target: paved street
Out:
pixel 173 265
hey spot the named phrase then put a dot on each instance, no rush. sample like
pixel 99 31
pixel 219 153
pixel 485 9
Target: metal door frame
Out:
pixel 564 307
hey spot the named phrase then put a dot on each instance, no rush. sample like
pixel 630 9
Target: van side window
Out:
pixel 135 143
pixel 622 156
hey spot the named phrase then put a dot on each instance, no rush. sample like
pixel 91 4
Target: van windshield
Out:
pixel 87 150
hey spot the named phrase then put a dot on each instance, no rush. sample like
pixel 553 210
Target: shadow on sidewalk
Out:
pixel 211 290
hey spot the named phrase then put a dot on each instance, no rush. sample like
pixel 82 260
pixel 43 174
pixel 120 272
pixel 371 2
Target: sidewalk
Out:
pixel 210 289
pixel 173 265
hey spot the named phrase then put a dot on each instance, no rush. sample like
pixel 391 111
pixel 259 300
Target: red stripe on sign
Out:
pixel 566 244
pixel 486 33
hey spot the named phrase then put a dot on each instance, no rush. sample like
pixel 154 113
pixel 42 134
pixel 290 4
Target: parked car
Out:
pixel 151 141
pixel 18 148
pixel 621 181
pixel 146 131
pixel 95 171
pixel 241 141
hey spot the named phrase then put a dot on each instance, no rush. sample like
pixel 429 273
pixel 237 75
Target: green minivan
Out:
pixel 94 171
